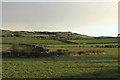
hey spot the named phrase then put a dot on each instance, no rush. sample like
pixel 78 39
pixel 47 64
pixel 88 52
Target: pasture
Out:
pixel 30 40
pixel 83 66
pixel 95 41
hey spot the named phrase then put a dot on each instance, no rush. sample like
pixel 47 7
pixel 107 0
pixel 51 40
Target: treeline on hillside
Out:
pixel 45 35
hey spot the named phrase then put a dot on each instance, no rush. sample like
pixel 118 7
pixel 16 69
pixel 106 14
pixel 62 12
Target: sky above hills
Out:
pixel 89 18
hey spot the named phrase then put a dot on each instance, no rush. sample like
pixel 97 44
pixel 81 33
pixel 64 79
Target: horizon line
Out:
pixel 53 31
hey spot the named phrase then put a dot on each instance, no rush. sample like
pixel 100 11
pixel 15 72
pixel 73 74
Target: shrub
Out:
pixel 29 51
pixel 71 53
pixel 94 51
pixel 63 53
pixel 61 50
pixel 81 52
pixel 53 53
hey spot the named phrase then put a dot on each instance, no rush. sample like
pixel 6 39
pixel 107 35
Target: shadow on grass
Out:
pixel 63 58
pixel 108 74
pixel 111 74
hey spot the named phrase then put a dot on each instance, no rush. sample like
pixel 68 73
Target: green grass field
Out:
pixel 29 40
pixel 108 40
pixel 33 40
pixel 83 66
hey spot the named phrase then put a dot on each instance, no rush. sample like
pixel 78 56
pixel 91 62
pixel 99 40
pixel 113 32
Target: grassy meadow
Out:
pixel 103 65
pixel 83 66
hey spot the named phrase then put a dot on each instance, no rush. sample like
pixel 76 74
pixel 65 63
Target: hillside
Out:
pixel 58 55
pixel 46 35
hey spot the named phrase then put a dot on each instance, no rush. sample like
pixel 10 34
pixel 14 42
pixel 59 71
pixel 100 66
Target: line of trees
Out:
pixel 27 51
pixel 38 51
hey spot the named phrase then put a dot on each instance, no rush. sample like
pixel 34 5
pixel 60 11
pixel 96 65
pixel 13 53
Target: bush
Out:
pixel 94 51
pixel 71 53
pixel 61 50
pixel 29 51
pixel 53 53
pixel 81 52
pixel 63 53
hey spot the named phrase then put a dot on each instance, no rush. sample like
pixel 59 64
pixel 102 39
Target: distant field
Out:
pixel 29 40
pixel 81 48
pixel 57 44
pixel 83 66
pixel 70 47
pixel 83 36
pixel 102 41
pixel 33 40
pixel 80 45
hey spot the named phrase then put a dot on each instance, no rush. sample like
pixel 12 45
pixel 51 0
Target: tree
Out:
pixel 13 36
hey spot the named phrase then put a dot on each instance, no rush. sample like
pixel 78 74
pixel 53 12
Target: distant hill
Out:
pixel 45 35
pixel 104 37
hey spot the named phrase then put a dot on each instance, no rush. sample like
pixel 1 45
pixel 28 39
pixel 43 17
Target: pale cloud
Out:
pixel 62 16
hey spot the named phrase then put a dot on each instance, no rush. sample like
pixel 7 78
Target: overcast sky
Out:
pixel 89 18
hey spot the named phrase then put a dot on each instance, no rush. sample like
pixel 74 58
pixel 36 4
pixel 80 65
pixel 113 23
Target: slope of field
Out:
pixel 103 65
pixel 29 40
pixel 57 44
pixel 83 66
pixel 80 45
pixel 45 35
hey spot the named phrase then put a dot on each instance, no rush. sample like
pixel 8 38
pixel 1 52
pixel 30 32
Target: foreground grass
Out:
pixel 83 66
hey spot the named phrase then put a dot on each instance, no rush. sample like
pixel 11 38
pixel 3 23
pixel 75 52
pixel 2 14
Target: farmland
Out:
pixel 29 40
pixel 102 65
pixel 95 41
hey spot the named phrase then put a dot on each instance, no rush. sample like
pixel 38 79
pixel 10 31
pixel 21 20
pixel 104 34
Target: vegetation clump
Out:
pixel 94 51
